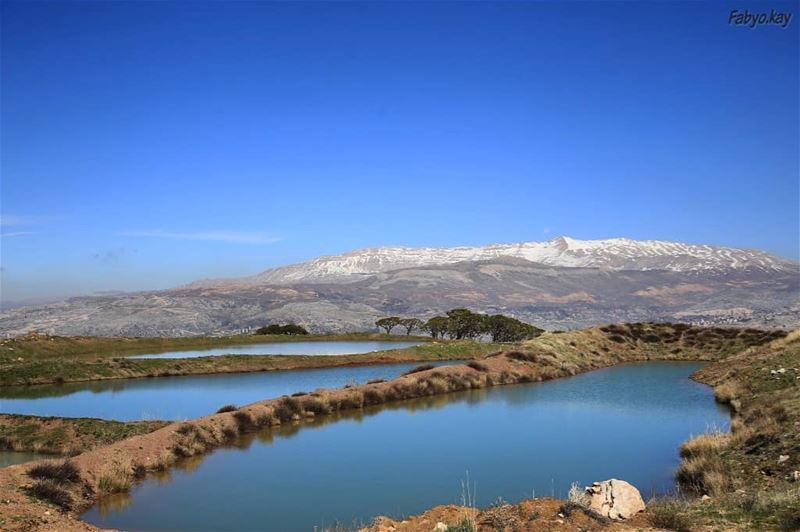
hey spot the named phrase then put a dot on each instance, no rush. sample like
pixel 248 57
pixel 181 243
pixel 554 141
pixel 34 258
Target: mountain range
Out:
pixel 558 284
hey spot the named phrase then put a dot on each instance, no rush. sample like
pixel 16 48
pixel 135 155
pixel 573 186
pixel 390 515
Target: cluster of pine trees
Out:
pixel 289 329
pixel 462 323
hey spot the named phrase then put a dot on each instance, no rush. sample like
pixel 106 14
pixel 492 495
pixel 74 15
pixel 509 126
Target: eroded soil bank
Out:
pixel 116 467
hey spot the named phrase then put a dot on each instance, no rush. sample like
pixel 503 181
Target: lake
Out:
pixel 514 442
pixel 288 348
pixel 181 397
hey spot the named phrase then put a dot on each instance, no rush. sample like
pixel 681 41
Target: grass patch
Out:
pixel 670 515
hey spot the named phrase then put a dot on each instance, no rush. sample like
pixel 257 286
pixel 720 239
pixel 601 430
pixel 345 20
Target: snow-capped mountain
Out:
pixel 612 254
pixel 559 284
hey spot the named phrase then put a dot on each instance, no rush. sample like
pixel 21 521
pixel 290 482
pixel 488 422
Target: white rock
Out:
pixel 615 499
pixel 440 527
pixel 782 458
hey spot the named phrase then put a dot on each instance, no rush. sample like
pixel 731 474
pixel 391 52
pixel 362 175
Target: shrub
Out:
pixel 243 420
pixel 50 491
pixel 227 408
pixel 477 366
pixel 186 428
pixel 352 401
pixel 286 408
pixel 376 381
pixel 668 515
pixel 139 471
pixel 578 496
pixel 373 397
pixel 465 525
pixel 116 477
pixel 290 329
pixel 318 406
pixel 789 519
pixel 423 367
pixel 299 394
pixel 265 420
pixel 64 472
pixel 229 433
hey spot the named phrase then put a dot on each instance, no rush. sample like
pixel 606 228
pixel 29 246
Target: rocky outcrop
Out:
pixel 615 499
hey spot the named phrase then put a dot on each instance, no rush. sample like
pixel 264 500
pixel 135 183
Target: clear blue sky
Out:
pixel 149 144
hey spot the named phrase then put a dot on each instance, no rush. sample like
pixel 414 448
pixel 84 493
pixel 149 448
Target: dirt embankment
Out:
pixel 66 436
pixel 116 467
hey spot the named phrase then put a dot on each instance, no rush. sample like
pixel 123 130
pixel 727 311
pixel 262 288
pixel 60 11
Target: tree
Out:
pixel 388 323
pixel 463 323
pixel 437 326
pixel 504 329
pixel 410 324
pixel 293 329
pixel 289 329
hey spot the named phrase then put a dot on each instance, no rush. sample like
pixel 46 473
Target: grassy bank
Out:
pixel 116 467
pixel 48 360
pixel 66 436
pixel 752 474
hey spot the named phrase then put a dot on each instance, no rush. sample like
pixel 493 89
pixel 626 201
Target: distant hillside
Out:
pixel 605 281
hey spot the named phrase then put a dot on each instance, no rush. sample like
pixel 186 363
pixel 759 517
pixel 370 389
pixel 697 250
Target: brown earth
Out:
pixel 66 436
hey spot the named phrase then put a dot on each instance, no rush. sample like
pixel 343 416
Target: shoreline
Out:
pixel 548 357
pixel 63 369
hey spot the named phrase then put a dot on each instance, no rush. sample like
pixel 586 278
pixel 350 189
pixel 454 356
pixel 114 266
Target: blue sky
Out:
pixel 148 144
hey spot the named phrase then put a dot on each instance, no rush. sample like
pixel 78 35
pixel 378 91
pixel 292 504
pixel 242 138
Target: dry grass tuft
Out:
pixel 669 515
pixel 116 477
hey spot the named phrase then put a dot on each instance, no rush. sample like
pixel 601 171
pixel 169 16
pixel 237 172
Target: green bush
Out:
pixel 289 329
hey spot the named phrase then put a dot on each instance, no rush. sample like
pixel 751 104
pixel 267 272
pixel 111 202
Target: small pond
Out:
pixel 181 397
pixel 513 442
pixel 288 348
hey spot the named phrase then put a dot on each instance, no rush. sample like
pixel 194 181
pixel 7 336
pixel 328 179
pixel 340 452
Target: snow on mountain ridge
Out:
pixel 613 253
